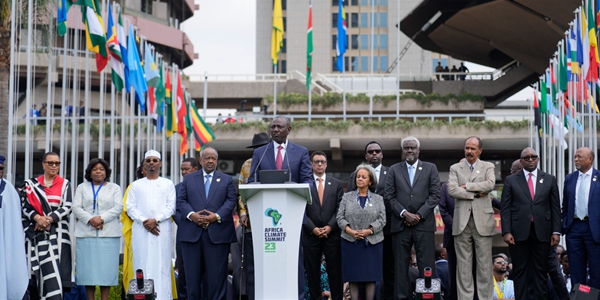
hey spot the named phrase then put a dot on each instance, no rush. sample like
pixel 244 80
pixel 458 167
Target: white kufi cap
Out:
pixel 152 152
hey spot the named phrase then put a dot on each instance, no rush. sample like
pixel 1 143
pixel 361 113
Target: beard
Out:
pixel 500 271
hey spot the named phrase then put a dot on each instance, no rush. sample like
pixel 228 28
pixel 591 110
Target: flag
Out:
pixel 579 37
pixel 537 115
pixel 122 39
pixel 573 50
pixel 342 42
pixel 136 77
pixel 181 115
pixel 160 91
pixel 277 31
pixel 115 52
pixel 94 31
pixel 562 71
pixel 152 76
pixel 544 99
pixel 592 74
pixel 61 16
pixel 202 132
pixel 170 109
pixel 309 47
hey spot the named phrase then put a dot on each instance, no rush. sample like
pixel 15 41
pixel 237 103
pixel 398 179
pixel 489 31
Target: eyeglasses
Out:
pixel 374 151
pixel 319 162
pixel 152 160
pixel 1 168
pixel 501 263
pixel 530 157
pixel 53 163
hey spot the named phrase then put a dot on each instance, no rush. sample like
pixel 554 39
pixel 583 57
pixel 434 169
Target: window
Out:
pixel 383 62
pixel 346 67
pixel 383 41
pixel 374 21
pixel 147 6
pixel 354 64
pixel 334 17
pixel 383 20
pixel 364 20
pixel 364 63
pixel 365 2
pixel 333 41
pixel 374 41
pixel 354 20
pixel 375 63
pixel 282 66
pixel 283 48
pixel 383 2
pixel 354 42
pixel 354 2
pixel 335 2
pixel 283 4
pixel 364 42
pixel 284 24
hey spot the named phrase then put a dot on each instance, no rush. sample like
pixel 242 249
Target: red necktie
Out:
pixel 320 189
pixel 279 158
pixel 530 184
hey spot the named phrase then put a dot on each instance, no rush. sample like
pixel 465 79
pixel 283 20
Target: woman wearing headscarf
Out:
pixel 46 205
pixel 97 206
pixel 361 218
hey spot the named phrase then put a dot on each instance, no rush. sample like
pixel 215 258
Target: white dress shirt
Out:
pixel 533 178
pixel 283 150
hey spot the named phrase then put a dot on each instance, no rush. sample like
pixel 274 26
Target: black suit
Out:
pixel 320 215
pixel 441 268
pixel 532 223
pixel 387 288
pixel 419 198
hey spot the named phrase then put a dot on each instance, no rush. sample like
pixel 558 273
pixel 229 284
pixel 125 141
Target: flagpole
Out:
pixel 205 101
pixel 372 57
pixel 309 101
pixel 275 88
pixel 11 89
pixel 398 66
pixel 28 90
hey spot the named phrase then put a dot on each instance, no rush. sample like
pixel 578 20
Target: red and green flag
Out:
pixel 309 47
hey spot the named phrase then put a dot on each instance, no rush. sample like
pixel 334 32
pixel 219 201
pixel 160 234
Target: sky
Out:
pixel 223 33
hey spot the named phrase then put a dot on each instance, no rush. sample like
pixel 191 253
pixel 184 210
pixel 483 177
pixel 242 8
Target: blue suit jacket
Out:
pixel 568 205
pixel 222 199
pixel 297 155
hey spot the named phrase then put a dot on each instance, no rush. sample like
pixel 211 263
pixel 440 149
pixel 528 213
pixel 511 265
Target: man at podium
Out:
pixel 282 154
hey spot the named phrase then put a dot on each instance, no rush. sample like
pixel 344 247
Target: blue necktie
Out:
pixel 207 185
pixel 580 207
pixel 411 174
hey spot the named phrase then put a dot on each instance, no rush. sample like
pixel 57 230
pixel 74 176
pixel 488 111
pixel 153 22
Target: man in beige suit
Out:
pixel 470 183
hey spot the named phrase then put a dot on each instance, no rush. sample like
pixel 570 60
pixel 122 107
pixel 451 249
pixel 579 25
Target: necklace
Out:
pixel 46 183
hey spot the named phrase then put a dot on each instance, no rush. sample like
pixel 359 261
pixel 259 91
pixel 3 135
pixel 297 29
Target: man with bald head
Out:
pixel 516 166
pixel 530 225
pixel 581 219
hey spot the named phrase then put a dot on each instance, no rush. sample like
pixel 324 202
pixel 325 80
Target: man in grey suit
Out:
pixel 470 183
pixel 412 191
pixel 374 156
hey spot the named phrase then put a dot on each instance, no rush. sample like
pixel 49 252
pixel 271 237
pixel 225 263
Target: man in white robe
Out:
pixel 150 204
pixel 14 274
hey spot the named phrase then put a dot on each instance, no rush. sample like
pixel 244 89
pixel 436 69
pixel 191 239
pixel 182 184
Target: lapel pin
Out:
pixel 370 204
pixel 420 168
pixel 595 177
pixel 542 180
pixel 329 183
pixel 384 172
pixel 219 179
pixel 477 171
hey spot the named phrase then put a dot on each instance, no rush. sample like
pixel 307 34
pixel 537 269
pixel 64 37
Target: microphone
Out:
pixel 260 160
pixel 287 156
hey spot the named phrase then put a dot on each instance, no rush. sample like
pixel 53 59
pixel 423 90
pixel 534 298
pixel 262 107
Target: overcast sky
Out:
pixel 223 33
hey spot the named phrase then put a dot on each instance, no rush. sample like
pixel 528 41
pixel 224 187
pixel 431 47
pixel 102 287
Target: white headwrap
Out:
pixel 152 152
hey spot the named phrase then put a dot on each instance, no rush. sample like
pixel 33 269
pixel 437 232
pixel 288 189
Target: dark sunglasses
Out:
pixel 374 151
pixel 530 157
pixel 1 168
pixel 53 163
pixel 501 263
pixel 152 160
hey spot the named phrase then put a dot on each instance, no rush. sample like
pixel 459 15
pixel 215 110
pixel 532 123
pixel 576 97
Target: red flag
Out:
pixel 181 113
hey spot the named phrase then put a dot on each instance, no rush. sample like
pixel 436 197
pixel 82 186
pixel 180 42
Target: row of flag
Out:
pixel 151 82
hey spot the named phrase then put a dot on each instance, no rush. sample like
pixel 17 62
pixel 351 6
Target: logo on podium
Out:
pixel 274 215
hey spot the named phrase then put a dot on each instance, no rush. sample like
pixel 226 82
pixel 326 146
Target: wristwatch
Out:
pixel 157 221
pixel 218 217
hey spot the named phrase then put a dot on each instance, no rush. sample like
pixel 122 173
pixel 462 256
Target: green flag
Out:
pixel 309 48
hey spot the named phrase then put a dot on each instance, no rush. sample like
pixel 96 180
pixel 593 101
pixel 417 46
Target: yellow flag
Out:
pixel 277 31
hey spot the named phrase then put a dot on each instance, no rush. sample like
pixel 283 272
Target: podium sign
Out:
pixel 276 213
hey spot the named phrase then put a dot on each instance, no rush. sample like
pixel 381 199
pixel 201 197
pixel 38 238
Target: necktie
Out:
pixel 411 174
pixel 279 158
pixel 207 185
pixel 580 207
pixel 320 189
pixel 471 168
pixel 530 185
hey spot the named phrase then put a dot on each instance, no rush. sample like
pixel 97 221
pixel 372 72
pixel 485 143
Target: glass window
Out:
pixel 383 62
pixel 282 66
pixel 284 23
pixel 283 48
pixel 333 41
pixel 354 41
pixel 346 67
pixel 364 20
pixel 374 41
pixel 365 2
pixel 374 21
pixel 364 42
pixel 364 63
pixel 354 2
pixel 354 64
pixel 334 20
pixel 383 2
pixel 383 41
pixel 335 2
pixel 354 20
pixel 333 64
pixel 383 20
pixel 283 4
pixel 374 64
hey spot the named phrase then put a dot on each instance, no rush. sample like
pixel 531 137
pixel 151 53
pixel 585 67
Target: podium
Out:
pixel 276 213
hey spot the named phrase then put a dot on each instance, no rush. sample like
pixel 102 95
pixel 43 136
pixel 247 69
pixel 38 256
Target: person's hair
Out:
pixel 410 138
pixel 561 246
pixel 371 143
pixel 498 256
pixel 208 147
pixel 193 162
pixel 372 176
pixel 318 152
pixel 92 164
pixel 439 249
pixel 563 254
pixel 138 172
pixel 287 120
pixel 48 154
pixel 478 139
